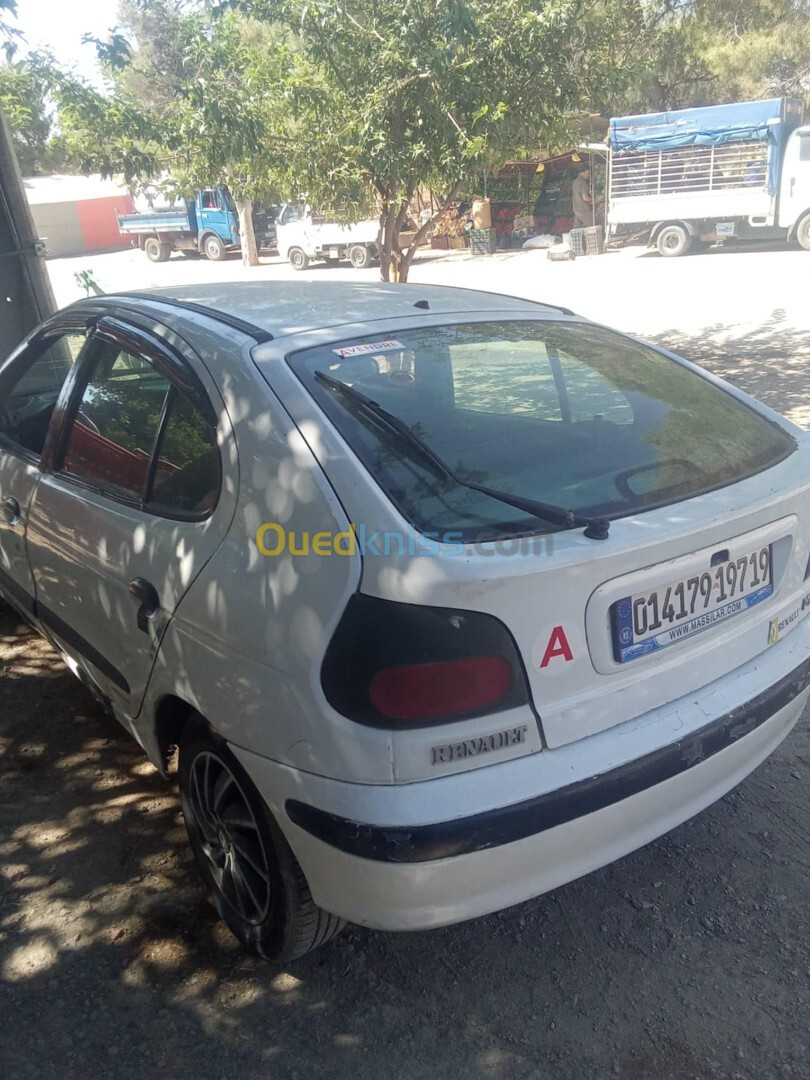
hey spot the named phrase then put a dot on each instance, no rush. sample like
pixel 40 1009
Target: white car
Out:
pixel 446 598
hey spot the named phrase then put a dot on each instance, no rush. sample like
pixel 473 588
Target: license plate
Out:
pixel 647 622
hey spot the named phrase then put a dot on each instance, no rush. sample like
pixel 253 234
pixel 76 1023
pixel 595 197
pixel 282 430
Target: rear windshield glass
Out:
pixel 565 414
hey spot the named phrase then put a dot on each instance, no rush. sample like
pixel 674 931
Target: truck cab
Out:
pixel 794 194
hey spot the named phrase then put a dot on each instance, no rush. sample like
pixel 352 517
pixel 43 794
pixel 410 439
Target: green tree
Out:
pixel 388 96
pixel 25 98
pixel 9 34
pixel 716 51
pixel 210 120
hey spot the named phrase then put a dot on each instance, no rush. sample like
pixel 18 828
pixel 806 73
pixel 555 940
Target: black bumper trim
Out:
pixel 506 824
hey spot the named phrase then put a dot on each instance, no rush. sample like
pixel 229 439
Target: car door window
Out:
pixel 29 390
pixel 187 472
pixel 113 432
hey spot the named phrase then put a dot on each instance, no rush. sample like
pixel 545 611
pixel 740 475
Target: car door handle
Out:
pixel 146 595
pixel 11 511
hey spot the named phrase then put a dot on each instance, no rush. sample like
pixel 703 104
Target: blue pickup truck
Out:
pixel 207 225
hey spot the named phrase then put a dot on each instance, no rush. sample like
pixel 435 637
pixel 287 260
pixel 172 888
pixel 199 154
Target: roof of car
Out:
pixel 280 308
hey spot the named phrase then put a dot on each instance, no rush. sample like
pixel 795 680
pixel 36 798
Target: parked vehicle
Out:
pixel 446 598
pixel 303 237
pixel 723 172
pixel 207 225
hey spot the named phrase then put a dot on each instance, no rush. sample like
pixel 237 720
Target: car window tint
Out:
pixel 591 395
pixel 31 390
pixel 514 381
pixel 187 474
pixel 111 437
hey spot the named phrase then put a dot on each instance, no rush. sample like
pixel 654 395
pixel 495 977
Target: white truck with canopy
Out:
pixel 739 171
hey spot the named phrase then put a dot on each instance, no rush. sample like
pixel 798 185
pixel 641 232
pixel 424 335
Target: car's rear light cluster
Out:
pixel 404 665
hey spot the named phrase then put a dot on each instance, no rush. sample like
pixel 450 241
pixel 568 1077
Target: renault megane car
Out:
pixel 445 597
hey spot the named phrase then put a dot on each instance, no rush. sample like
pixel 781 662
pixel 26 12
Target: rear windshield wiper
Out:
pixel 596 528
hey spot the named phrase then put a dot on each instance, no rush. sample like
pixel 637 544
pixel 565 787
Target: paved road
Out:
pixel 688 959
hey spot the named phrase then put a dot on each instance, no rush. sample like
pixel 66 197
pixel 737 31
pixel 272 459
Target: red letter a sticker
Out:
pixel 557 646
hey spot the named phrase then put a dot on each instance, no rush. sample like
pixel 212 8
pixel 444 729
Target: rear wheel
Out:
pixel 803 232
pixel 298 258
pixel 673 240
pixel 156 251
pixel 359 256
pixel 213 248
pixel 254 879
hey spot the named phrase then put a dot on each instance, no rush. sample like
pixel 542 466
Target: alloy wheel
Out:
pixel 230 838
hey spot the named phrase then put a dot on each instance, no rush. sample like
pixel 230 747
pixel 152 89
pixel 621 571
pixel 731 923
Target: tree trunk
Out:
pixel 407 257
pixel 388 243
pixel 247 237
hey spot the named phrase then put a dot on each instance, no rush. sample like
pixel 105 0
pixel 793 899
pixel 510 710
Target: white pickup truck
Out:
pixel 303 237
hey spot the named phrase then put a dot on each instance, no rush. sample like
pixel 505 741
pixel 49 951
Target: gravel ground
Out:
pixel 688 959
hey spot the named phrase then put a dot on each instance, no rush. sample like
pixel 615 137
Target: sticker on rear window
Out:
pixel 374 347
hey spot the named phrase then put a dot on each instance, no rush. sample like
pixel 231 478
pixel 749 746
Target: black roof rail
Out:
pixel 248 328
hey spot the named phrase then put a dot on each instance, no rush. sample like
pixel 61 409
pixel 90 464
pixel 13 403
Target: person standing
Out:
pixel 582 200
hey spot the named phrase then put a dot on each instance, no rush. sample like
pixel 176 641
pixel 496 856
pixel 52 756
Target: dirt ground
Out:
pixel 688 960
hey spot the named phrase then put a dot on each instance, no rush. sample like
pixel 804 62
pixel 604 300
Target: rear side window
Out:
pixel 29 391
pixel 558 413
pixel 187 471
pixel 135 435
pixel 112 437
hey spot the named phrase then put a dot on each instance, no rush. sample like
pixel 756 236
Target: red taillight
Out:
pixel 444 688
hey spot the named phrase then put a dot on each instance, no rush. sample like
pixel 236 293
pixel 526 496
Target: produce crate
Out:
pixel 440 243
pixel 457 243
pixel 482 241
pixel 588 241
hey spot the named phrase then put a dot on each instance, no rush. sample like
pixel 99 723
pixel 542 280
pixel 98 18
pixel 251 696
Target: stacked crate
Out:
pixel 482 241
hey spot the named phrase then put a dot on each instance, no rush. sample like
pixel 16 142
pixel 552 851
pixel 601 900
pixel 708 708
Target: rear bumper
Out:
pixel 405 867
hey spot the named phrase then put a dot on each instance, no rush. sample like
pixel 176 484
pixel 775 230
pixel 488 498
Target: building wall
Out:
pixel 80 227
pixel 98 222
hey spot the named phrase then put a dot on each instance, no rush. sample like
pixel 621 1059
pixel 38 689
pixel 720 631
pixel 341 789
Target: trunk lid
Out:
pixel 557 597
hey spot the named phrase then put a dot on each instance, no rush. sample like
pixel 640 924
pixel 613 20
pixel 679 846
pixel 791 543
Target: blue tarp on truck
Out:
pixel 771 121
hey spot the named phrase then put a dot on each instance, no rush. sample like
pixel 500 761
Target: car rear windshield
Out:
pixel 560 413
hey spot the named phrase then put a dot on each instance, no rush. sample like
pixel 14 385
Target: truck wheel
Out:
pixel 298 258
pixel 252 875
pixel 359 256
pixel 673 240
pixel 803 232
pixel 155 251
pixel 213 248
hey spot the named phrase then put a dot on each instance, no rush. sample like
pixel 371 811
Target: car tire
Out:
pixel 254 879
pixel 673 240
pixel 803 232
pixel 298 258
pixel 156 251
pixel 213 248
pixel 359 256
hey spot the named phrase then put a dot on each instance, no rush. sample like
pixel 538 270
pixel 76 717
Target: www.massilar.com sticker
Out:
pixel 373 347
